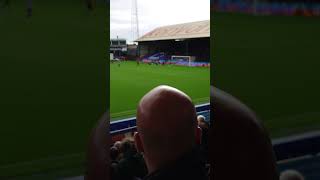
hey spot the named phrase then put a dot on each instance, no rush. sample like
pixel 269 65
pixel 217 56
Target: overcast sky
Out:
pixel 155 13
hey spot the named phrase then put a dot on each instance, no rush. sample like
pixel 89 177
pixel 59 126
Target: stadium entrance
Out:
pixel 189 39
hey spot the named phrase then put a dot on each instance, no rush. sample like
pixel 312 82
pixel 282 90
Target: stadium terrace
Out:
pixel 269 7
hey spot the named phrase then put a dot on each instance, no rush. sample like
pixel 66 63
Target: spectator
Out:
pixel 239 143
pixel 166 124
pixel 198 135
pixel 114 155
pixel 131 165
pixel 117 144
pixel 203 124
pixel 205 134
pixel 291 175
pixel 200 119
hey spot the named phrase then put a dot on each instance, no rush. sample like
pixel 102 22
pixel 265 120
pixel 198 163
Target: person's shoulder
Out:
pixel 136 178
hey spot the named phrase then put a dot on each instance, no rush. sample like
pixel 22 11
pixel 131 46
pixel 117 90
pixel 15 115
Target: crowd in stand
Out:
pixel 270 7
pixel 126 162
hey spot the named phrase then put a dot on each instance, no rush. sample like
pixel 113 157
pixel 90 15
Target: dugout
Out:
pixel 188 39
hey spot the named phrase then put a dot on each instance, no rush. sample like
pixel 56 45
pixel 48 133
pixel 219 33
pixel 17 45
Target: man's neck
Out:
pixel 188 166
pixel 156 164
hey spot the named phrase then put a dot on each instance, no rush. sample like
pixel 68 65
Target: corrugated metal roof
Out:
pixel 198 29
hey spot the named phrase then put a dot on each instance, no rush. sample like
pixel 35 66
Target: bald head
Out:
pixel 166 122
pixel 202 122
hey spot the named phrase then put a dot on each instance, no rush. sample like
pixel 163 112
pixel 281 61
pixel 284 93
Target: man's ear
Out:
pixel 137 142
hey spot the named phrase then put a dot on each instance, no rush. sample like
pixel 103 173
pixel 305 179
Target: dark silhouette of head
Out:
pixel 114 153
pixel 291 175
pixel 166 124
pixel 128 147
pixel 240 147
pixel 202 122
pixel 98 152
pixel 117 144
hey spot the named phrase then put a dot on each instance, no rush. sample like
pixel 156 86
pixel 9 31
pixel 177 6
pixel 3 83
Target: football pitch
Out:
pixel 129 82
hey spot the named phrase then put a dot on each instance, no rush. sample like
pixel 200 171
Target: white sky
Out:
pixel 155 13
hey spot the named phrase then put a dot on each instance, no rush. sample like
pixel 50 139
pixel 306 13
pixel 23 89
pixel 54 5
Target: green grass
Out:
pixel 272 64
pixel 53 85
pixel 129 82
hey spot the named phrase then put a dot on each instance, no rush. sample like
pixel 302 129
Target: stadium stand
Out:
pixel 269 7
pixel 297 146
pixel 188 39
pixel 307 166
pixel 299 152
pixel 157 56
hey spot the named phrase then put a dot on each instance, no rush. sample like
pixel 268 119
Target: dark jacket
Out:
pixel 131 166
pixel 188 167
pixel 205 142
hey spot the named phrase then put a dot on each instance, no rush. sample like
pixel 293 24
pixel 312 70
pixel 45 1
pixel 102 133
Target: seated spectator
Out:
pixel 114 155
pixel 198 135
pixel 205 134
pixel 239 143
pixel 166 124
pixel 131 165
pixel 117 144
pixel 205 129
pixel 202 122
pixel 291 175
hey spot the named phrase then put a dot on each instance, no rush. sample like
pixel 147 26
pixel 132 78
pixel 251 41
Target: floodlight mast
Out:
pixel 134 20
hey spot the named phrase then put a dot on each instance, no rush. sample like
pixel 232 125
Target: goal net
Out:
pixel 183 60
